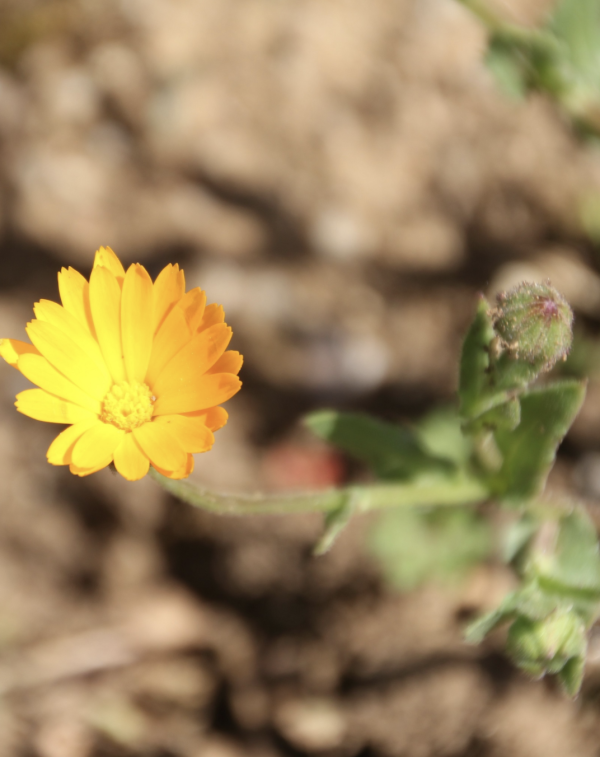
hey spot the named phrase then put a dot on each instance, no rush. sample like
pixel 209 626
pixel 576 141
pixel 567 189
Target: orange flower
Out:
pixel 136 368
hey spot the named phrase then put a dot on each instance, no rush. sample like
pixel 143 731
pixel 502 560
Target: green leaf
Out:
pixel 534 603
pixel 504 416
pixel 507 69
pixel 440 433
pixel 576 560
pixel 529 451
pixel 415 546
pixel 393 452
pixel 517 537
pixel 514 373
pixel 475 362
pixel 535 55
pixel 571 676
pixel 476 631
pixel 335 522
pixel 577 24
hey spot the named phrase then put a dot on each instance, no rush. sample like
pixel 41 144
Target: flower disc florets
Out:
pixel 535 323
pixel 128 405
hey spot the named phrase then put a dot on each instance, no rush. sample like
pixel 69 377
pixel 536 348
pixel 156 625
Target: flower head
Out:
pixel 137 369
pixel 535 322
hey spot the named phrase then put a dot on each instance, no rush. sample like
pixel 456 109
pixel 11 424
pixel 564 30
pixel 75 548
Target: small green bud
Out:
pixel 545 646
pixel 535 324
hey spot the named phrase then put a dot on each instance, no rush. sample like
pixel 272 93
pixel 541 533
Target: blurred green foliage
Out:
pixel 560 59
pixel 413 545
pixel 559 597
pixel 505 435
pixel 442 545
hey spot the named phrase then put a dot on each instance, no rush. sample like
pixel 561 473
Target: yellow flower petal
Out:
pixel 212 314
pixel 230 362
pixel 160 445
pixel 106 258
pixel 39 371
pixel 210 390
pixel 169 288
pixel 96 446
pixel 193 304
pixel 69 358
pixel 38 404
pixel 182 472
pixel 52 312
pixel 74 294
pixel 81 472
pixel 214 418
pixel 12 349
pixel 136 322
pixel 191 433
pixel 172 336
pixel 105 301
pixel 130 460
pixel 59 452
pixel 193 360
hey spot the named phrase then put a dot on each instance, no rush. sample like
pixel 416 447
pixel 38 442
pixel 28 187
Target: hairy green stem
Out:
pixel 461 490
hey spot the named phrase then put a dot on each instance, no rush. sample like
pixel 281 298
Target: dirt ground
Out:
pixel 343 176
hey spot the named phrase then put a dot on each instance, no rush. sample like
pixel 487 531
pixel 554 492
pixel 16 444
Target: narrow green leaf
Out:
pixel 504 416
pixel 529 451
pixel 507 69
pixel 476 631
pixel 475 362
pixel 335 522
pixel 393 452
pixel 517 537
pixel 571 676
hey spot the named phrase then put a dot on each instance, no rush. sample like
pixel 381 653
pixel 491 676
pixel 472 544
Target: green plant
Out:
pixel 139 369
pixel 560 58
pixel 498 447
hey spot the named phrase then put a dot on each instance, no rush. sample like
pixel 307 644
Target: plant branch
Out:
pixel 460 490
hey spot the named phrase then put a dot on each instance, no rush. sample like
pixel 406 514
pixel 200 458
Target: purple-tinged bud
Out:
pixel 535 324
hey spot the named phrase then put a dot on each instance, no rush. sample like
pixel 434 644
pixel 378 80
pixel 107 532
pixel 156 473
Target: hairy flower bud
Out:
pixel 535 323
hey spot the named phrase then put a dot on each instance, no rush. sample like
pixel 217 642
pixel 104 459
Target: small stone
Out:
pixel 311 724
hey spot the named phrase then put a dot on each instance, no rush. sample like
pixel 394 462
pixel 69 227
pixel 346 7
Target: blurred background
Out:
pixel 343 176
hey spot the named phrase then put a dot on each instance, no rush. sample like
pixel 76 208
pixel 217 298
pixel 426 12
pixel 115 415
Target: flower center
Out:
pixel 127 405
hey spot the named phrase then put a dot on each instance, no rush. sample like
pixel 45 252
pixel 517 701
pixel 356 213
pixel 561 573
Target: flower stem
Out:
pixel 459 490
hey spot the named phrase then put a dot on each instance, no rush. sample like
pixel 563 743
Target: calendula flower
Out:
pixel 137 369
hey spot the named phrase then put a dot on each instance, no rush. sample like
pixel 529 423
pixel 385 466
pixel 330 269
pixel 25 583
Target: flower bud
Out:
pixel 535 323
pixel 545 646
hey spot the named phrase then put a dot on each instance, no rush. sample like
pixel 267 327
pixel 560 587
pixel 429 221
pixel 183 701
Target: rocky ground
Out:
pixel 343 177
